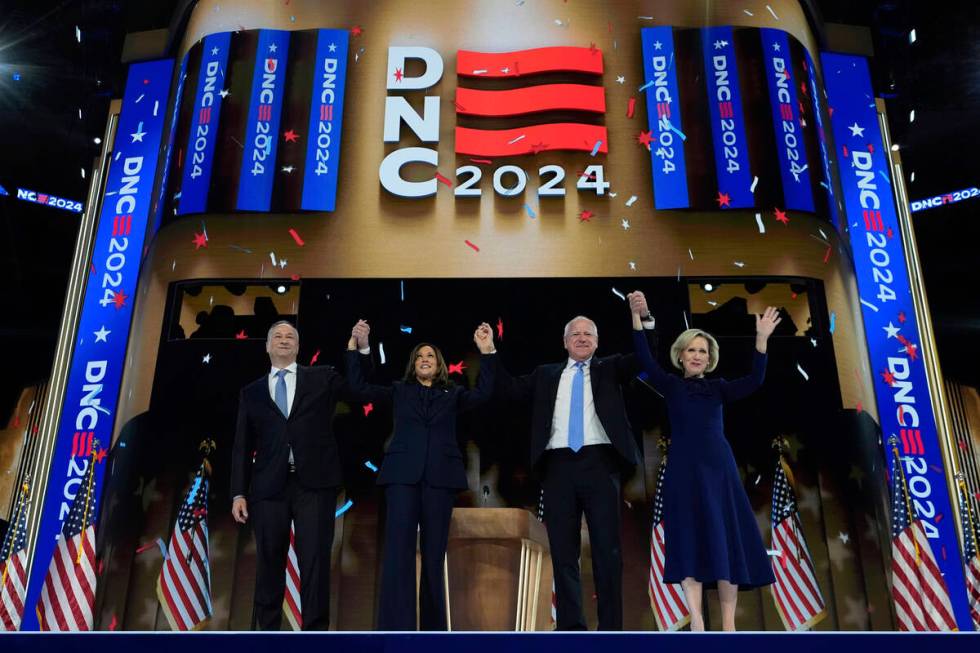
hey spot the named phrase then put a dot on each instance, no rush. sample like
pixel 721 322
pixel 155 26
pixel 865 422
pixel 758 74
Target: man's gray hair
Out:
pixel 268 336
pixel 595 329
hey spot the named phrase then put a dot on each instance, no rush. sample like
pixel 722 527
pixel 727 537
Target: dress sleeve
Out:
pixel 484 384
pixel 746 385
pixel 656 375
pixel 357 389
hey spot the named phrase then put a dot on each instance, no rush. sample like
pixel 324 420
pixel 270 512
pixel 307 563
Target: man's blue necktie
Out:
pixel 576 427
pixel 281 400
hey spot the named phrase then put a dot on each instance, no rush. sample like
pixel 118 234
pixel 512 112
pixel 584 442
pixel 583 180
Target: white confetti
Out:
pixel 870 305
pixel 631 200
pixel 633 266
pixel 772 12
pixel 755 181
pixel 140 98
pixel 690 253
pixel 481 71
pixel 738 264
pixel 686 325
pixel 521 137
pixel 822 233
pixel 713 303
pixel 156 108
pixel 272 255
pixel 626 224
pixel 619 294
pixel 802 372
pixel 758 221
pixel 748 13
pixel 381 352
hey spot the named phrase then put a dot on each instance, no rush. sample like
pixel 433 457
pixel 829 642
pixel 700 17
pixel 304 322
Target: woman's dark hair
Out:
pixel 442 372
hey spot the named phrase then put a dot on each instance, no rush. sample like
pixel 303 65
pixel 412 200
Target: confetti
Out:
pixel 802 372
pixel 595 148
pixel 690 253
pixel 402 288
pixel 625 224
pixel 315 357
pixel 619 294
pixel 371 466
pixel 405 329
pixel 241 335
pixel 474 247
pixel 781 216
pixel 457 368
pixel 870 305
pixel 772 12
pixel 738 264
pixel 748 13
pixel 632 265
pixel 244 250
pixel 645 87
pixel 200 240
pixel 444 180
pixel 368 408
pixel 585 216
pixel 272 255
pixel 686 325
pixel 631 200
pixel 206 359
pixel 299 241
pixel 677 131
pixel 530 211
pixel 163 549
pixel 114 623
pixel 826 256
pixel 755 182
pixel 484 161
pixel 833 321
pixel 381 352
pixel 758 221
pixel 344 508
pixel 500 328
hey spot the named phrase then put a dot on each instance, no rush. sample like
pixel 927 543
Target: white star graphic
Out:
pixel 138 135
pixel 287 169
pixel 775 46
pixel 100 335
pixel 720 44
pixel 891 330
pixel 657 45
pixel 332 47
pixel 626 224
pixel 813 341
pixel 224 92
pixel 633 265
pixel 206 359
pixel 856 130
pixel 843 537
pixel 621 80
pixel 282 264
pixel 273 47
pixel 214 50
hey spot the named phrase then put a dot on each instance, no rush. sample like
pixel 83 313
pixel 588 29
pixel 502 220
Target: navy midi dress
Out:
pixel 710 531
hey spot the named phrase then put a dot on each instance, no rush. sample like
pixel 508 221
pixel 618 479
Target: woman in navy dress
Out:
pixel 422 471
pixel 710 532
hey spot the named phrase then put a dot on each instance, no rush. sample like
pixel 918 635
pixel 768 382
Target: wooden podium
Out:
pixel 498 571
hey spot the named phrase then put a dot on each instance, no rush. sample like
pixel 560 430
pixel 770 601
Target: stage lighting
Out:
pixel 912 36
pixel 281 290
pixel 708 287
pixel 97 140
pixel 894 147
pixel 912 115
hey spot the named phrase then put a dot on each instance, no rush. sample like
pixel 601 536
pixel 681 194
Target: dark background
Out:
pixel 44 145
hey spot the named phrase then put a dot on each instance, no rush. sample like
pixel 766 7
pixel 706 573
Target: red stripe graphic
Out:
pixel 525 140
pixel 204 117
pixel 265 112
pixel 533 99
pixel 528 62
pixel 74 444
pixel 786 111
pixel 725 109
pixel 663 110
pixel 326 112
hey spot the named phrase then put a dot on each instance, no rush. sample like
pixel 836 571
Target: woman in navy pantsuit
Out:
pixel 422 471
pixel 710 532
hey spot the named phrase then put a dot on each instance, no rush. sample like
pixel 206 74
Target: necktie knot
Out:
pixel 580 365
pixel 282 373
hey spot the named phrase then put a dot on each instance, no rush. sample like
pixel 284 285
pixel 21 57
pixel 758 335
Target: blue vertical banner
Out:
pixel 322 168
pixel 262 128
pixel 727 119
pixel 159 202
pixel 790 148
pixel 828 180
pixel 205 119
pixel 664 119
pixel 94 377
pixel 891 329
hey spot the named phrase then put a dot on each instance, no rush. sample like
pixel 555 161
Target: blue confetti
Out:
pixel 405 329
pixel 645 86
pixel 16 77
pixel 595 148
pixel 884 176
pixel 344 508
pixel 681 134
pixel 370 465
pixel 402 284
pixel 833 321
pixel 163 548
pixel 530 211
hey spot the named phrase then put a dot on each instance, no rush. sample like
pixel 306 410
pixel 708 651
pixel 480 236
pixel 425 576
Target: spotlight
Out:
pixel 912 36
pixel 16 77
pixel 707 287
pixel 912 115
pixel 97 140
pixel 83 173
pixel 894 147
pixel 281 289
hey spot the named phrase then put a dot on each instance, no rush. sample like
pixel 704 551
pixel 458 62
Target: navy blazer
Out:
pixel 424 444
pixel 263 436
pixel 608 374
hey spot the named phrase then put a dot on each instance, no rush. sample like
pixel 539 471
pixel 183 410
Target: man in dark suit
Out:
pixel 581 446
pixel 285 467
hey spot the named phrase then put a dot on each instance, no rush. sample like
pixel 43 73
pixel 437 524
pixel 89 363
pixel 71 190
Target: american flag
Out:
pixel 667 601
pixel 291 605
pixel 796 592
pixel 918 589
pixel 969 520
pixel 13 562
pixel 184 585
pixel 68 592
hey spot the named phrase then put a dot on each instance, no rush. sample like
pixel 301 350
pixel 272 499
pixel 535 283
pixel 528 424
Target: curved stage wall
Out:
pixel 759 224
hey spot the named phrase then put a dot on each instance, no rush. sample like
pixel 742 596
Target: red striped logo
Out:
pixel 265 112
pixel 530 99
pixel 122 225
pixel 81 443
pixel 326 112
pixel 725 110
pixel 786 111
pixel 912 442
pixel 663 110
pixel 204 116
pixel 872 220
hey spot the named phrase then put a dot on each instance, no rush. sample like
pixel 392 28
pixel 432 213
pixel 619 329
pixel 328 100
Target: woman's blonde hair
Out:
pixel 685 339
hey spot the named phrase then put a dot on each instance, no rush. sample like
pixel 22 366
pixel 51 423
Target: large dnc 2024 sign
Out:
pixel 92 391
pixel 891 329
pixel 745 99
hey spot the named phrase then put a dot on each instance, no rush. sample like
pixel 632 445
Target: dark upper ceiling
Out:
pixel 44 144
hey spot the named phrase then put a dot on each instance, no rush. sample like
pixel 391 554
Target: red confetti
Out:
pixel 845 152
pixel 398 74
pixel 241 335
pixel 34 429
pixel 368 408
pixel 631 107
pixel 299 241
pixel 486 161
pixel 901 317
pixel 500 329
pixel 890 233
pixel 290 136
pixel 113 623
pixel 942 549
pixel 200 240
pixel 871 148
pixel 356 30
pixel 585 216
pixel 119 299
pixel 101 455
pixel 93 267
pixel 645 138
pixel 145 547
pixel 888 377
pixel 457 368
pixel 830 110
pixel 444 180
pixel 792 295
pixel 315 357
pixel 938 518
pixel 912 351
pixel 961 444
pixel 99 565
pixel 859 407
pixel 475 248
pixel 294 277
pixel 826 255
pixel 723 199
pixel 781 216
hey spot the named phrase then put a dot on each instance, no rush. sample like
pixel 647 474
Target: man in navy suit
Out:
pixel 581 447
pixel 285 467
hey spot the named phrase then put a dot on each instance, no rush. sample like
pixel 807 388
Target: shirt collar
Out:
pixel 291 367
pixel 571 363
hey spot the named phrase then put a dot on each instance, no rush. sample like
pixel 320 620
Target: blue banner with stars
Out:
pixel 262 128
pixel 88 410
pixel 891 329
pixel 322 170
pixel 727 119
pixel 199 153
pixel 827 183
